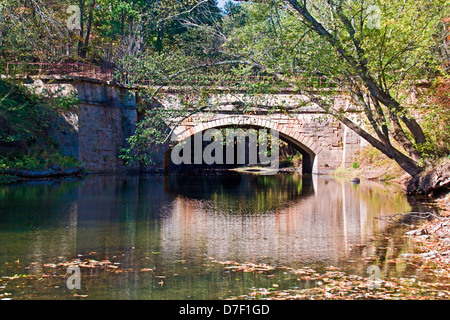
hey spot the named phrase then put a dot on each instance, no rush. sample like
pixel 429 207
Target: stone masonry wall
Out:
pixel 106 118
pixel 96 130
pixel 327 140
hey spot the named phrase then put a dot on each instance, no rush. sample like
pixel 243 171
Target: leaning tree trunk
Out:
pixel 357 66
pixel 405 162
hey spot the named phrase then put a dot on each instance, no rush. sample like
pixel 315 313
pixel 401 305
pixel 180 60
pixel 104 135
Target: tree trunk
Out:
pixel 88 29
pixel 405 162
pixel 358 68
pixel 159 39
pixel 80 41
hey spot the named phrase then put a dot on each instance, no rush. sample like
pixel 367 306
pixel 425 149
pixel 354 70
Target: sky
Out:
pixel 221 3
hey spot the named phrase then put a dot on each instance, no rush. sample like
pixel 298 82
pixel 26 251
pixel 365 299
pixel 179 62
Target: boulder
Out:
pixel 432 183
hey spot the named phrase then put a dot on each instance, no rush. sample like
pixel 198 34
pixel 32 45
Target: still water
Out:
pixel 165 237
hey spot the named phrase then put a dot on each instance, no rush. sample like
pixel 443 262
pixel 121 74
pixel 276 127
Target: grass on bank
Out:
pixel 35 162
pixel 370 163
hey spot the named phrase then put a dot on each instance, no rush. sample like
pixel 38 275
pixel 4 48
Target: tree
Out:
pixel 83 44
pixel 373 51
pixel 33 30
pixel 374 55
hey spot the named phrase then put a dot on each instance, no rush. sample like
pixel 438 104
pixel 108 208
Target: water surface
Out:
pixel 166 234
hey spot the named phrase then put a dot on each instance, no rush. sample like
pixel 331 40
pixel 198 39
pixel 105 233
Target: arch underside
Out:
pixel 307 146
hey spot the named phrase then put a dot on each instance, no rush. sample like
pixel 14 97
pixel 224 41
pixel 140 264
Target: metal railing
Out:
pixel 241 81
pixel 78 69
pixel 60 69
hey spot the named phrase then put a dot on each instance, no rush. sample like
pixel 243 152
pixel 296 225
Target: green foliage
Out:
pixel 24 163
pixel 294 160
pixel 151 133
pixel 33 30
pixel 21 115
pixel 25 119
pixel 372 158
pixel 376 66
pixel 26 116
pixel 401 48
pixel 188 42
pixel 37 162
pixel 435 119
pixel 59 101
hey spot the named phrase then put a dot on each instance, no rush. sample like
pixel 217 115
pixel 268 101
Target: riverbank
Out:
pixel 370 164
pixel 432 240
pixel 430 244
pixel 17 175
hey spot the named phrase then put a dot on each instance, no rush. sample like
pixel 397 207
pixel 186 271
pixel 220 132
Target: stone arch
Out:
pixel 308 146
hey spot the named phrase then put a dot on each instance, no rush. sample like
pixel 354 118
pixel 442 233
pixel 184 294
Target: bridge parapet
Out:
pixel 109 74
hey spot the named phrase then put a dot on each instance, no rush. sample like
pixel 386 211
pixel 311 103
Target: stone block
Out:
pixel 336 142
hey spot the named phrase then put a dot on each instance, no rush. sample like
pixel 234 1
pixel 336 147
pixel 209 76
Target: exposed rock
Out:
pixel 44 173
pixel 432 183
pixel 418 232
pixel 55 167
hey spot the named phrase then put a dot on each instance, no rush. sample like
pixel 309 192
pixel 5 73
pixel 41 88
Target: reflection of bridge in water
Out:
pixel 318 223
pixel 281 220
pixel 242 194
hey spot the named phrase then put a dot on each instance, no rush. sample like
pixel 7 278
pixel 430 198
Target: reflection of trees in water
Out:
pixel 27 204
pixel 388 245
pixel 242 194
pixel 190 217
pixel 382 198
pixel 335 222
pixel 317 226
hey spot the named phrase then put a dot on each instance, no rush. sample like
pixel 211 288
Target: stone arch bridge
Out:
pixel 96 131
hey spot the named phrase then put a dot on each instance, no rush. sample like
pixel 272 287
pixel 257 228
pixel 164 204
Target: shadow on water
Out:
pixel 242 193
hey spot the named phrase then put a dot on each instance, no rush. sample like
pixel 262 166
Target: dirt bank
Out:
pixel 370 164
pixel 434 182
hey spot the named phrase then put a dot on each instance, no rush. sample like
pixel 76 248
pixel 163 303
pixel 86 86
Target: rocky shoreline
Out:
pixel 434 183
pixel 16 175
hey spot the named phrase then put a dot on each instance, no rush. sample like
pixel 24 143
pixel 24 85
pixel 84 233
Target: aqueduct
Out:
pixel 97 130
